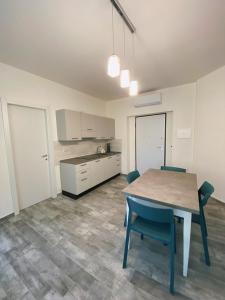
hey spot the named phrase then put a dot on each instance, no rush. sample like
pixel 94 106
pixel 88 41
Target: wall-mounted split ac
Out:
pixel 147 100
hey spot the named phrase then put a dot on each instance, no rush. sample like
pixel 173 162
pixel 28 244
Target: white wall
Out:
pixel 180 100
pixel 209 158
pixel 25 88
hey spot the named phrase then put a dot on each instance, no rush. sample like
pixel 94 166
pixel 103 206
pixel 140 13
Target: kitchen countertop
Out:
pixel 83 159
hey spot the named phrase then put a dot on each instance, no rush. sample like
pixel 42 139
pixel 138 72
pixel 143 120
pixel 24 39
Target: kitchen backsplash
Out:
pixel 70 149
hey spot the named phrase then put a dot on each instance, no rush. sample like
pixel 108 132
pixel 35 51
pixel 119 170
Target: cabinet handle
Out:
pixel 89 129
pixel 83 165
pixel 74 138
pixel 83 172
pixel 83 179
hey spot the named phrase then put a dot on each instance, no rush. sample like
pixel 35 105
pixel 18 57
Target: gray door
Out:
pixel 150 142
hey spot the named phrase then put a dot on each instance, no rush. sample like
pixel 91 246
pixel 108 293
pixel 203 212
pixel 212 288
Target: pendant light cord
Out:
pixel 124 40
pixel 113 35
pixel 133 53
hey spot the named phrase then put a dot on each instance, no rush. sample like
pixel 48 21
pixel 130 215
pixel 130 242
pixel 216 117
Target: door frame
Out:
pixel 150 115
pixel 10 157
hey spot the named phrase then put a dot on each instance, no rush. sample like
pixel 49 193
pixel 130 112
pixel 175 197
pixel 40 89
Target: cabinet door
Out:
pixel 117 164
pixel 110 125
pixel 100 128
pixel 97 171
pixel 68 125
pixel 105 128
pixel 73 125
pixel 109 167
pixel 88 123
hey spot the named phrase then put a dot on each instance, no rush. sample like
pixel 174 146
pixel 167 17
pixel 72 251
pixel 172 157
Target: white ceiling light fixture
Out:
pixel 125 73
pixel 113 63
pixel 113 67
pixel 125 78
pixel 133 90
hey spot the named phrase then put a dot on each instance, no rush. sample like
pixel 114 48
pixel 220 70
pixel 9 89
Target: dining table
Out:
pixel 169 189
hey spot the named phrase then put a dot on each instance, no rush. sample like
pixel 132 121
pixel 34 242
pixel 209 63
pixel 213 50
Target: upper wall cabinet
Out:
pixel 88 125
pixel 105 128
pixel 110 128
pixel 72 125
pixel 68 125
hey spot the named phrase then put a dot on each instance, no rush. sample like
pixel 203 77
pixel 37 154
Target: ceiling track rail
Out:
pixel 123 15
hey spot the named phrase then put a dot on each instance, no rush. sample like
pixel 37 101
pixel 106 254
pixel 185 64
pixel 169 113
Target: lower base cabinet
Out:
pixel 76 179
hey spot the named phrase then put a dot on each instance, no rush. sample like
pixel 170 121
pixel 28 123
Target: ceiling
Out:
pixel 69 41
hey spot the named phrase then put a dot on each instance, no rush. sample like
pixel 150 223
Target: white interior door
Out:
pixel 6 204
pixel 150 142
pixel 29 143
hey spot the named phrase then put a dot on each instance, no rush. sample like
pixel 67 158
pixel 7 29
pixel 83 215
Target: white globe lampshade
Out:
pixel 124 78
pixel 113 69
pixel 133 88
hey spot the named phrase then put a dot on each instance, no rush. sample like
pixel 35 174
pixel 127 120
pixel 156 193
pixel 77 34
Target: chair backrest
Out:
pixel 205 191
pixel 175 169
pixel 159 215
pixel 132 176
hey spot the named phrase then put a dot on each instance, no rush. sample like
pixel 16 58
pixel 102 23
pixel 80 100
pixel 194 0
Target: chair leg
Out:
pixel 126 248
pixel 172 249
pixel 175 239
pixel 125 221
pixel 204 240
pixel 142 236
pixel 206 231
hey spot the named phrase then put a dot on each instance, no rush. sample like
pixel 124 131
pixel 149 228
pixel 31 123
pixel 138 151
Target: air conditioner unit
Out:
pixel 147 99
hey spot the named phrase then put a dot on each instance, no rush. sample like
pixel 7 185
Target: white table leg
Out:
pixel 127 207
pixel 186 240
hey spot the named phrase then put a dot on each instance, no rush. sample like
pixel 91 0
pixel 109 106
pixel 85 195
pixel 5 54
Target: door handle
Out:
pixel 44 155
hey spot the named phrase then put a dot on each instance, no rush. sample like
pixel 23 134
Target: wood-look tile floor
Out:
pixel 72 249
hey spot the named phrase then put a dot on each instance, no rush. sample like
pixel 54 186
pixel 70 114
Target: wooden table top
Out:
pixel 178 190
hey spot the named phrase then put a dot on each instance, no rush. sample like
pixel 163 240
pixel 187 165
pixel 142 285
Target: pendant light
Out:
pixel 113 69
pixel 125 73
pixel 133 90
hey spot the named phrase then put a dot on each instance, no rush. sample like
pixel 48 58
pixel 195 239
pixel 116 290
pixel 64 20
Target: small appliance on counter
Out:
pixel 100 149
pixel 108 148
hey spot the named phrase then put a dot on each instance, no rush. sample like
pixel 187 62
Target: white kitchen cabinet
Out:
pixel 100 128
pixel 110 128
pixel 105 128
pixel 109 167
pixel 88 125
pixel 98 175
pixel 73 125
pixel 116 164
pixel 68 125
pixel 76 179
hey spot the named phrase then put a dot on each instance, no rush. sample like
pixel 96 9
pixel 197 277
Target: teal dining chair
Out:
pixel 155 223
pixel 130 178
pixel 174 169
pixel 204 193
